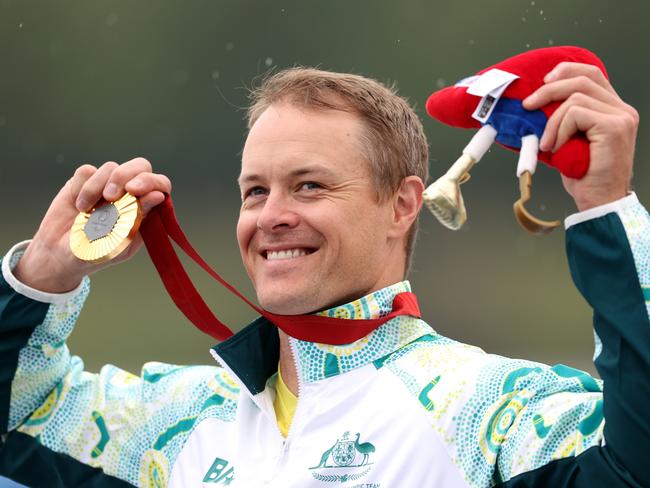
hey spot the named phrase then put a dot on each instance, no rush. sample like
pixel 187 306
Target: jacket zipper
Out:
pixel 286 444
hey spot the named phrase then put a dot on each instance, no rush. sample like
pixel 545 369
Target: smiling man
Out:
pixel 304 184
pixel 332 175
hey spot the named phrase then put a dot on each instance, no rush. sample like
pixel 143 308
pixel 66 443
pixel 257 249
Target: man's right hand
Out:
pixel 48 263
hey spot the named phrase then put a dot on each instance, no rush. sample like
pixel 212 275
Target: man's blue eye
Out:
pixel 310 185
pixel 256 192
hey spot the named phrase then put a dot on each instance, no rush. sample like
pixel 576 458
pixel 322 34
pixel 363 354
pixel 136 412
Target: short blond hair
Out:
pixel 395 143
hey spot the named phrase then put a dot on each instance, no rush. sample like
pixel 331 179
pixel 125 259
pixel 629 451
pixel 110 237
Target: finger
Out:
pixel 577 119
pixel 91 191
pixel 150 200
pixel 548 140
pixel 567 69
pixel 126 171
pixel 148 182
pixel 619 126
pixel 562 89
pixel 80 176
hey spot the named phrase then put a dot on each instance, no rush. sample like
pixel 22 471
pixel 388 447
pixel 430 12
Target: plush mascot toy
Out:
pixel 491 101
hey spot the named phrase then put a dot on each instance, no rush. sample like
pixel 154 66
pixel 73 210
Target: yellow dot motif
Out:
pixel 154 470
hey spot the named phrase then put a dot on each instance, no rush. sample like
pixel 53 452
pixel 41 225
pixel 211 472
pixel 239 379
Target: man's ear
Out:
pixel 407 202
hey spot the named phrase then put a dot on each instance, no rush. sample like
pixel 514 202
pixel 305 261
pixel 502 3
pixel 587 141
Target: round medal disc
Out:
pixel 107 230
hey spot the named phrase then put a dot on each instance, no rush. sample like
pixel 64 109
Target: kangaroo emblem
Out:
pixel 326 454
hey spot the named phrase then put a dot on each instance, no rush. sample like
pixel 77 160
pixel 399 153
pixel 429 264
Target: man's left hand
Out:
pixel 593 107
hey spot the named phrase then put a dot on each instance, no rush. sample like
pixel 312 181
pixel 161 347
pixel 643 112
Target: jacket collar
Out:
pixel 252 354
pixel 315 361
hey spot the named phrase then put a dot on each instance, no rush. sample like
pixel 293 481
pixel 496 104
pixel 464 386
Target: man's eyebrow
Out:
pixel 250 177
pixel 309 170
pixel 303 171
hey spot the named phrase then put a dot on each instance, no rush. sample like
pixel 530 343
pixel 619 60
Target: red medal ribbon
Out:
pixel 161 227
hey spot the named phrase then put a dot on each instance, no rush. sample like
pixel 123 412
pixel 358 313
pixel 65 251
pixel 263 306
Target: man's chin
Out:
pixel 286 304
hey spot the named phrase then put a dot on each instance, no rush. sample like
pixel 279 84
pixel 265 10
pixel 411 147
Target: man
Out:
pixel 331 183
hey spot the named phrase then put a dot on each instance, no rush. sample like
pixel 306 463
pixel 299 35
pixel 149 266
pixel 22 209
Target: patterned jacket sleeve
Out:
pixel 65 427
pixel 562 430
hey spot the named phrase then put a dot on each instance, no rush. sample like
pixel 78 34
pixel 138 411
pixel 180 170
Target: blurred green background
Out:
pixel 96 81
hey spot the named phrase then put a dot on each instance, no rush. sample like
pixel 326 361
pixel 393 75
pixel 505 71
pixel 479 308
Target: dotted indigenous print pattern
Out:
pixel 636 222
pixel 499 417
pixel 318 361
pixel 132 427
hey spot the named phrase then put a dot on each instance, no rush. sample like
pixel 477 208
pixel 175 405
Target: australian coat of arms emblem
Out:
pixel 346 460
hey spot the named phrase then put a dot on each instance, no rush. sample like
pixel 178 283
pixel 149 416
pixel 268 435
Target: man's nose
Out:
pixel 278 213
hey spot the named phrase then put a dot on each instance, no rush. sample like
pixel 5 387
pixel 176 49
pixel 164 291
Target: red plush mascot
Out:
pixel 492 102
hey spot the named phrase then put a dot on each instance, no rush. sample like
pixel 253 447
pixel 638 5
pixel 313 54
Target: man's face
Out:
pixel 311 231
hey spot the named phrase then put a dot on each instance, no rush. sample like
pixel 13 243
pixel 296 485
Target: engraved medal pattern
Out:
pixel 101 222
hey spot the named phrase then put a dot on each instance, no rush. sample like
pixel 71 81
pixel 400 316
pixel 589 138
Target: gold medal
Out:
pixel 107 230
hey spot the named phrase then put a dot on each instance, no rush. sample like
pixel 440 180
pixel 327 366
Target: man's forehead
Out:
pixel 291 140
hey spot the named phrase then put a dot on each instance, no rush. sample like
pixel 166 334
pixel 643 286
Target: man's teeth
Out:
pixel 287 254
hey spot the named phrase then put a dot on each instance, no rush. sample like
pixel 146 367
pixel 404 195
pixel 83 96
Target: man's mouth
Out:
pixel 287 253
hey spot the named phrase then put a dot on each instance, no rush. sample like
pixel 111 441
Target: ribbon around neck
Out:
pixel 158 230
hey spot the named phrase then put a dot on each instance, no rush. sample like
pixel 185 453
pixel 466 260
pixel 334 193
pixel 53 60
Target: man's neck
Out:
pixel 288 364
